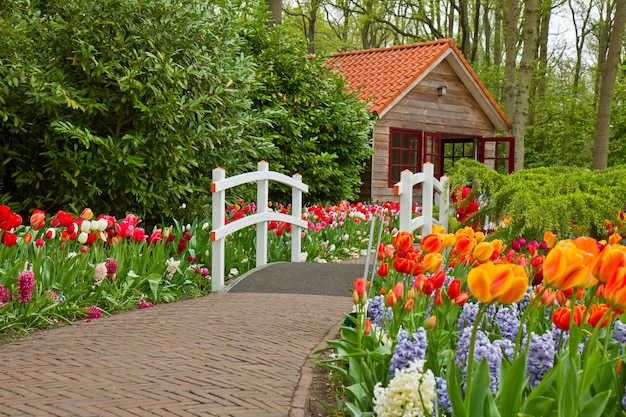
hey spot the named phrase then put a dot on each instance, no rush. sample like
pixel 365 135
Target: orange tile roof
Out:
pixel 384 73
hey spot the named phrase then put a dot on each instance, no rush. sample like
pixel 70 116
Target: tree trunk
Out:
pixel 511 17
pixel 522 101
pixel 545 13
pixel 601 142
pixel 487 30
pixel 276 7
pixel 315 5
pixel 604 28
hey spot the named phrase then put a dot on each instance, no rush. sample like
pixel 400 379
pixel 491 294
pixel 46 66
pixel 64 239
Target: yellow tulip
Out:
pixel 569 266
pixel 503 283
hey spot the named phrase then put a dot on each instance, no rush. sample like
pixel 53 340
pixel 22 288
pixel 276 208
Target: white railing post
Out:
pixel 427 198
pixel 261 227
pixel 296 211
pixel 444 203
pixel 260 218
pixel 406 200
pixel 218 244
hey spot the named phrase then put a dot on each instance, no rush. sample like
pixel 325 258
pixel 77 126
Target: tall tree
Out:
pixel 609 73
pixel 276 7
pixel 522 98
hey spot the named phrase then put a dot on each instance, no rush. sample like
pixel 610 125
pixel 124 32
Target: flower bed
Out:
pixel 67 267
pixel 462 326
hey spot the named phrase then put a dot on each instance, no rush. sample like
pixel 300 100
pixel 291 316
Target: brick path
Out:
pixel 220 355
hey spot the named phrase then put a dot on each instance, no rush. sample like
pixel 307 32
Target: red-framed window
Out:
pixel 432 151
pixel 498 154
pixel 405 152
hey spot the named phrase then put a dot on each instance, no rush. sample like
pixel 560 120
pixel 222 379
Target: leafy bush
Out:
pixel 568 201
pixel 122 105
pixel 322 131
pixel 127 106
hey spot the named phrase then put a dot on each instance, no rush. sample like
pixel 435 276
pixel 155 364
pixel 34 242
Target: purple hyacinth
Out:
pixel 376 311
pixel 443 399
pixel 540 357
pixel 483 349
pixel 508 321
pixel 407 350
pixel 5 295
pixel 619 332
pixel 468 315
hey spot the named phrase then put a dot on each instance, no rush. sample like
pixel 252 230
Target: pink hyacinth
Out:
pixel 26 285
pixel 111 264
pixel 5 295
pixel 94 313
pixel 144 304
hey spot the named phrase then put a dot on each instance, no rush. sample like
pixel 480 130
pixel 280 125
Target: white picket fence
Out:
pixel 261 218
pixel 430 185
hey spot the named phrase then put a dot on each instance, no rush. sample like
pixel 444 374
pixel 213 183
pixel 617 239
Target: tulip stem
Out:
pixel 470 357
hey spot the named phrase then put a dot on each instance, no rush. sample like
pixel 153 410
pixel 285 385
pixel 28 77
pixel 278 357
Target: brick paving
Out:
pixel 227 354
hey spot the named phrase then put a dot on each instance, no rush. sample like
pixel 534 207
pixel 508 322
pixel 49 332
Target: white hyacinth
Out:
pixel 410 393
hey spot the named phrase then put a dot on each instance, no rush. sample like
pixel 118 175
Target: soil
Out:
pixel 325 393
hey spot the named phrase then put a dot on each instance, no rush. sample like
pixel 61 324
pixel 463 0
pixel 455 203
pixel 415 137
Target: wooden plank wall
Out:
pixel 423 109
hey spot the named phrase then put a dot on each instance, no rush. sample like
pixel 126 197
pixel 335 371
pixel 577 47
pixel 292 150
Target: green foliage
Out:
pixel 123 106
pixel 321 131
pixel 562 131
pixel 568 201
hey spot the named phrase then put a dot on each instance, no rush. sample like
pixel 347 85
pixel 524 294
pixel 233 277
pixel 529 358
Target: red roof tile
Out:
pixel 384 73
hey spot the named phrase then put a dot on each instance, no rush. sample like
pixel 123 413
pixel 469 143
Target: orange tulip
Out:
pixel 408 305
pixel 568 266
pixel 432 243
pixel 498 246
pixel 383 270
pixel 432 262
pixel 464 245
pixel 359 286
pixel 464 232
pixel 615 239
pixel 37 219
pixel 479 237
pixel 398 289
pixel 403 241
pixel 561 316
pixel 438 300
pixel 368 327
pixel 431 322
pixel 598 312
pixel 86 214
pixel 391 299
pixel 549 238
pixel 615 289
pixel 504 283
pixel 483 251
pixel 608 260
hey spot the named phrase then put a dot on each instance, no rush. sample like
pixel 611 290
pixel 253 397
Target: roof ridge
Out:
pixel 449 41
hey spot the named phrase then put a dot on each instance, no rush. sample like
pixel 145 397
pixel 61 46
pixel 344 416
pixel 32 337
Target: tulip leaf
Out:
pixel 595 407
pixel 538 406
pixel 454 390
pixel 512 383
pixel 480 389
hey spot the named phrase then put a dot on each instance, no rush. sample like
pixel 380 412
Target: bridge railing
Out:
pixel 261 218
pixel 434 192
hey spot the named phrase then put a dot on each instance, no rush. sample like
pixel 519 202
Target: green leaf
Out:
pixel 595 407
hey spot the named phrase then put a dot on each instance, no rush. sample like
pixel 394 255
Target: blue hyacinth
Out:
pixel 540 357
pixel 408 350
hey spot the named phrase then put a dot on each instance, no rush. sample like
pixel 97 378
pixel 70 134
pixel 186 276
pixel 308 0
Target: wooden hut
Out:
pixel 430 107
